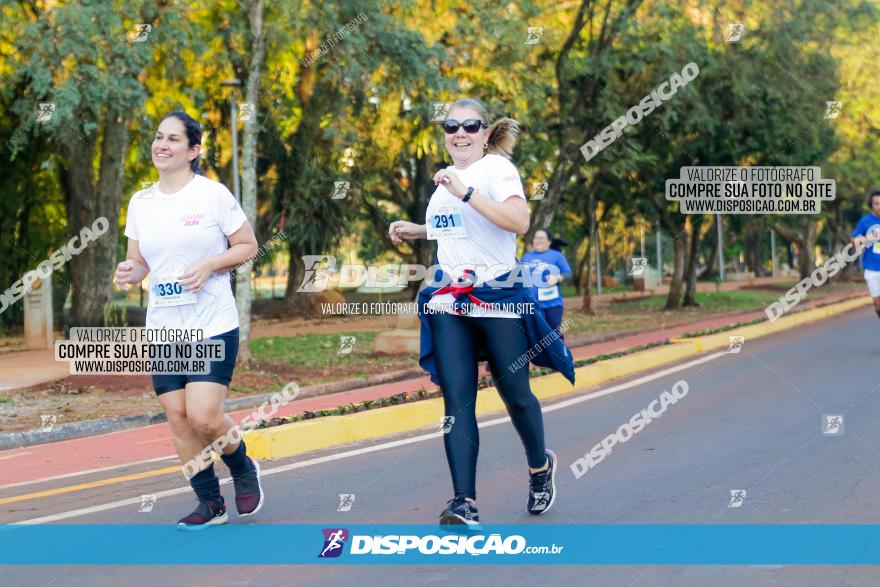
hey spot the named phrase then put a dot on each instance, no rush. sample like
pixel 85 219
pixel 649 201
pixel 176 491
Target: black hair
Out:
pixel 193 135
pixel 871 197
pixel 546 231
pixel 555 243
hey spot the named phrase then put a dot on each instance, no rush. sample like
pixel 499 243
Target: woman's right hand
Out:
pixel 124 275
pixel 401 230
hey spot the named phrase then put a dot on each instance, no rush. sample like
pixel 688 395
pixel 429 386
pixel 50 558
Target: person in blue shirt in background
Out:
pixel 545 254
pixel 866 234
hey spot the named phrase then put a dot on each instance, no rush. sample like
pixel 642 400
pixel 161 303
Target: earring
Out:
pixel 485 147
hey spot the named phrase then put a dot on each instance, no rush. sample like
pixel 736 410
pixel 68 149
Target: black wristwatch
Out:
pixel 467 195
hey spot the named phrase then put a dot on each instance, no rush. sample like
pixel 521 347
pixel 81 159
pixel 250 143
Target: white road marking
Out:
pixel 15 456
pixel 89 472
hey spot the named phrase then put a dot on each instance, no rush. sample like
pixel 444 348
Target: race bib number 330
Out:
pixel 169 292
pixel 445 223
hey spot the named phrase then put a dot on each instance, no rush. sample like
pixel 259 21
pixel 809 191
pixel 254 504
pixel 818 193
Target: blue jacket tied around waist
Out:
pixel 545 346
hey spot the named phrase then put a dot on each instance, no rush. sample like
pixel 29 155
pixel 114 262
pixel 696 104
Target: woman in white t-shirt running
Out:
pixel 177 234
pixel 475 214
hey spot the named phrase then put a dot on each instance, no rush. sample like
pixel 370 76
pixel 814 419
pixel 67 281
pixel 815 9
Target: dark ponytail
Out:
pixel 193 135
pixel 556 244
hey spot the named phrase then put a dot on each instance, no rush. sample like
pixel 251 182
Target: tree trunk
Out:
pixel 300 302
pixel 587 282
pixel 92 270
pixel 249 173
pixel 806 258
pixel 753 249
pixel 668 223
pixel 556 186
pixel 710 271
pixel 841 233
pixel 690 277
pixel 577 95
pixel 577 266
pixel 292 191
pixel 60 287
pixel 420 193
pixel 804 240
pixel 673 300
pixel 587 305
pixel 18 262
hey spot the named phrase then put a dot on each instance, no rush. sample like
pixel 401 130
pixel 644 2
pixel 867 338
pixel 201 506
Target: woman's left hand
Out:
pixel 450 181
pixel 196 275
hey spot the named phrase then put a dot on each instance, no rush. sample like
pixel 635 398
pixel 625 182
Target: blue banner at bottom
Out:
pixel 273 544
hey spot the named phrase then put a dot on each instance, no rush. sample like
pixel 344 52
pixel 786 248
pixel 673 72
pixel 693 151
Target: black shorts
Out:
pixel 221 371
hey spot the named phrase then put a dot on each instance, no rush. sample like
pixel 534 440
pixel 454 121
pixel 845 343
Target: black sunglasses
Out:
pixel 471 125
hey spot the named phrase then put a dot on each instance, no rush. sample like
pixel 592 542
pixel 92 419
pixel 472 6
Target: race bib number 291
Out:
pixel 445 223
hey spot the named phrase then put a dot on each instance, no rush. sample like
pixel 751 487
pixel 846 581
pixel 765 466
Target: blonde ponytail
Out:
pixel 502 137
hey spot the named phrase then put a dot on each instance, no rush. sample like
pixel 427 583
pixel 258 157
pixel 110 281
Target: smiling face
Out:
pixel 171 150
pixel 540 242
pixel 465 148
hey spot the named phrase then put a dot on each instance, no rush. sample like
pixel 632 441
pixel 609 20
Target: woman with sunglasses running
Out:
pixel 474 215
pixel 177 233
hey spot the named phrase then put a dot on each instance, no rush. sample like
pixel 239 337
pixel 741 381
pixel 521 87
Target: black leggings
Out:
pixel 457 340
pixel 553 316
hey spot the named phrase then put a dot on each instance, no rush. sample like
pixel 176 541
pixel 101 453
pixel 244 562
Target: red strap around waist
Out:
pixel 459 289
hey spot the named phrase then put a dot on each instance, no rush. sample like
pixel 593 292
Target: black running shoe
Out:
pixel 542 487
pixel 207 513
pixel 460 512
pixel 248 492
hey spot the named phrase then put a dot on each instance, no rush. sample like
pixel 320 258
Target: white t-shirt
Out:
pixel 487 249
pixel 174 230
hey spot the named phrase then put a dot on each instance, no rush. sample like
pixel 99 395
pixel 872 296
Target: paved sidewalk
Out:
pixel 26 368
pixel 153 442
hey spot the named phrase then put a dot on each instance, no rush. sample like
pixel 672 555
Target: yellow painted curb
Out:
pixel 309 435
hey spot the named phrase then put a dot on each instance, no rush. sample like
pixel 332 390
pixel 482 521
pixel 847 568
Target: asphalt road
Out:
pixel 751 421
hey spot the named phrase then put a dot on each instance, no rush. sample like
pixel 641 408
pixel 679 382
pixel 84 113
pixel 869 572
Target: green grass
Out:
pixel 568 290
pixel 729 300
pixel 317 350
pixel 711 331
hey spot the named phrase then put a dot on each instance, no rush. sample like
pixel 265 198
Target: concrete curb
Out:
pixel 107 425
pixel 77 430
pixel 305 436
